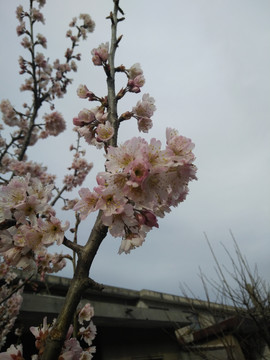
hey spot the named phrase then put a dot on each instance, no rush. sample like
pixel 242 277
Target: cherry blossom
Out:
pixel 89 333
pixel 84 93
pixel 87 203
pixel 53 231
pixel 86 313
pixel 134 85
pixel 100 54
pixel 54 123
pixel 145 107
pixel 40 334
pixel 134 71
pixel 12 353
pixel 88 23
pixel 142 182
pixel 104 132
pixel 72 348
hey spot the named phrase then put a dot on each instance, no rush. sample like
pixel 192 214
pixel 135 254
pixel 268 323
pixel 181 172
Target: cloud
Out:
pixel 207 65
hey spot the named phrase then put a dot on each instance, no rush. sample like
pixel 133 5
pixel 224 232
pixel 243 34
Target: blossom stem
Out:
pixel 58 195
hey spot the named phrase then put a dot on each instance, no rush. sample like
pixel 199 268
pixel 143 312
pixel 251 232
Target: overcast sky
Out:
pixel 207 64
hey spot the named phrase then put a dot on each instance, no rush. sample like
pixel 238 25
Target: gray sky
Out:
pixel 207 64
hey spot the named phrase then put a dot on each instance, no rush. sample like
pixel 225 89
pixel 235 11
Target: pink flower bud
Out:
pixel 150 219
pixel 77 122
pixel 140 218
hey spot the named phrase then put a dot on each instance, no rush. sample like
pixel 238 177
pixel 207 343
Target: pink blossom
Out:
pixel 26 43
pixel 141 182
pixel 87 355
pixel 145 107
pixel 20 29
pixel 85 117
pixel 28 238
pixel 15 257
pixel 100 54
pixel 22 168
pixel 144 124
pixel 42 40
pixel 29 210
pixel 86 313
pixel 134 71
pixel 148 218
pixel 14 193
pixel 85 132
pixel 9 114
pixel 119 158
pixel 89 333
pixel 41 61
pixel 109 202
pixel 179 148
pixel 6 272
pixel 50 263
pixel 12 353
pixel 41 3
pixel 99 114
pixel 87 203
pixel 81 170
pixel 19 13
pixel 131 242
pixel 88 23
pixel 118 223
pixel 37 15
pixel 53 231
pixel 54 123
pixel 71 351
pixel 135 84
pixel 6 240
pixel 28 85
pixel 84 93
pixel 104 131
pixel 138 170
pixel 41 333
pixel 42 191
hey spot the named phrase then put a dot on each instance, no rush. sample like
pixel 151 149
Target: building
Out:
pixel 141 325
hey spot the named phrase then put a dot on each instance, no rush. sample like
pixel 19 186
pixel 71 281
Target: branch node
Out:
pixel 94 285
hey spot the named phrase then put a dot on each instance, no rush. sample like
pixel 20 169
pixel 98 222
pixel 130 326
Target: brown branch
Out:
pixel 73 246
pixel 79 284
pixel 6 224
pixel 112 100
pixel 58 195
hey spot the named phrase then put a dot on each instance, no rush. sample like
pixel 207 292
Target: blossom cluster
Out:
pixel 80 166
pixel 143 111
pixel 24 201
pixel 72 348
pixel 21 168
pixel 56 84
pixel 92 124
pixel 45 80
pixel 141 182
